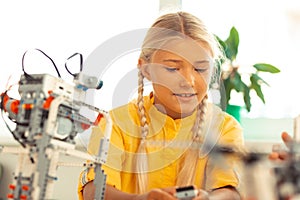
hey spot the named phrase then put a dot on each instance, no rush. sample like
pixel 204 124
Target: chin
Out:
pixel 186 112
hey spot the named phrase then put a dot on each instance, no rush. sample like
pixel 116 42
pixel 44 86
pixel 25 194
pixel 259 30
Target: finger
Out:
pixel 278 156
pixel 283 155
pixel 286 138
pixel 170 190
pixel 273 156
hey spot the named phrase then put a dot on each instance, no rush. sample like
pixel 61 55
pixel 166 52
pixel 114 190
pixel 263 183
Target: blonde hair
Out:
pixel 165 29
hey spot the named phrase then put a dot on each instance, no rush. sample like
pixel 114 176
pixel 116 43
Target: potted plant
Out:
pixel 233 79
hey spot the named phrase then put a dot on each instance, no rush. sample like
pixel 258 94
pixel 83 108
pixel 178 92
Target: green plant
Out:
pixel 232 77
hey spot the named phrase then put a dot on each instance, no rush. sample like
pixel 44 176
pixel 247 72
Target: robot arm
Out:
pixel 9 105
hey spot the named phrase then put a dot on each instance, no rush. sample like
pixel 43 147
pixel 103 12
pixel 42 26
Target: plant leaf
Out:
pixel 223 47
pixel 256 85
pixel 247 98
pixel 237 83
pixel 232 44
pixel 228 87
pixel 257 79
pixel 264 67
pixel 222 43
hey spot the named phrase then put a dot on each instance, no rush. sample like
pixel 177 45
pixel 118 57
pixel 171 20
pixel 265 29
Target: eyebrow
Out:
pixel 202 61
pixel 178 61
pixel 172 60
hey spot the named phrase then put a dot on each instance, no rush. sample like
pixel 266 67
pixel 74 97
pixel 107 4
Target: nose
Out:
pixel 188 78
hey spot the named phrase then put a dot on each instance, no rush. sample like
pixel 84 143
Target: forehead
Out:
pixel 187 49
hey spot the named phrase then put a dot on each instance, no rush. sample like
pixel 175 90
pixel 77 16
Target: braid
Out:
pixel 140 103
pixel 200 119
pixel 141 160
pixel 186 174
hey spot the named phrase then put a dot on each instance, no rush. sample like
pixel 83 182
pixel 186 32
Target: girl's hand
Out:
pixel 169 194
pixel 202 195
pixel 159 194
pixel 198 194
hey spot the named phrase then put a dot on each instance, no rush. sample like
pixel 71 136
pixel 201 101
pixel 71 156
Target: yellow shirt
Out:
pixel 167 141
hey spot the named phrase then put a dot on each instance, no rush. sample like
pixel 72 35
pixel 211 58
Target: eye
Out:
pixel 171 69
pixel 200 70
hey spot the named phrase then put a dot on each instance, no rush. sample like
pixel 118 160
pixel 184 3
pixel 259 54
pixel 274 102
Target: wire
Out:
pixel 27 75
pixel 81 62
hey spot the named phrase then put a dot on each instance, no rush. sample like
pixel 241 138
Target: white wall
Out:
pixel 266 129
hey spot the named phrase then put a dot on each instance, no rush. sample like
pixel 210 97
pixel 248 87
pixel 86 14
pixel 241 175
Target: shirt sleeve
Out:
pixel 225 169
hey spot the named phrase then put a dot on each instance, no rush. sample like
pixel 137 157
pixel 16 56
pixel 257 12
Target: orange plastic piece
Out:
pixel 85 126
pixel 28 106
pixel 14 104
pixel 11 186
pixel 99 117
pixel 48 102
pixel 25 187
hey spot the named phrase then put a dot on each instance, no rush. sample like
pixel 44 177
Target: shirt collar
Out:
pixel 159 120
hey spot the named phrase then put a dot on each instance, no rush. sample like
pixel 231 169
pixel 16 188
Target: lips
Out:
pixel 185 95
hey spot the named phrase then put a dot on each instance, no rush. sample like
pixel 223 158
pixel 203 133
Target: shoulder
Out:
pixel 124 109
pixel 124 114
pixel 126 118
pixel 230 129
pixel 130 110
pixel 227 119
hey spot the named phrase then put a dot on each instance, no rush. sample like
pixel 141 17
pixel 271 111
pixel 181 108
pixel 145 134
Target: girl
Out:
pixel 166 140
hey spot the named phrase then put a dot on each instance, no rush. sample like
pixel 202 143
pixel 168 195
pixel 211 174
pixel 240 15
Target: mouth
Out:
pixel 185 95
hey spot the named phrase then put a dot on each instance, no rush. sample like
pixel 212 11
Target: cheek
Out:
pixel 161 79
pixel 202 81
pixel 162 88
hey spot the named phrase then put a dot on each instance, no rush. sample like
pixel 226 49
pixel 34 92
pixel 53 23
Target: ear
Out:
pixel 144 67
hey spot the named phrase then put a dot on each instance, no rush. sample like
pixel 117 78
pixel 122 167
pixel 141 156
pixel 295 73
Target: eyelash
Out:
pixel 200 70
pixel 171 69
